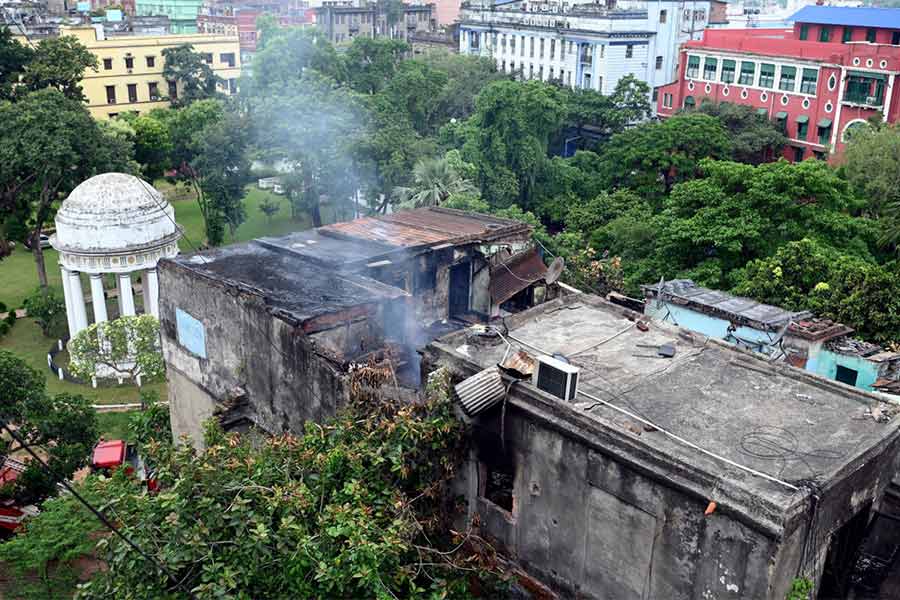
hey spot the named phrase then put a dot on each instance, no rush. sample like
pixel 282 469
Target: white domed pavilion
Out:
pixel 112 223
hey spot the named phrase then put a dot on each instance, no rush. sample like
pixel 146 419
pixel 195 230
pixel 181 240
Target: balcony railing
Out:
pixel 864 99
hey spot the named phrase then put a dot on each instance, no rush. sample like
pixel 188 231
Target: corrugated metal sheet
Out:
pixel 480 391
pixel 428 226
pixel 516 274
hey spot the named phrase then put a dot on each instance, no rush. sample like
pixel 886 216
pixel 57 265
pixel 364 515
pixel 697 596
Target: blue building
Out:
pixel 815 344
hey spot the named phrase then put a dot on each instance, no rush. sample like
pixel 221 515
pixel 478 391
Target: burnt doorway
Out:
pixel 842 552
pixel 460 282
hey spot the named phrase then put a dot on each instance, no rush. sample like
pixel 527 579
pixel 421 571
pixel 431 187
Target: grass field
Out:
pixel 18 278
pixel 114 425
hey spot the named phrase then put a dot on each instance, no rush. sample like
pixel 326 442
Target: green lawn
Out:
pixel 114 425
pixel 18 278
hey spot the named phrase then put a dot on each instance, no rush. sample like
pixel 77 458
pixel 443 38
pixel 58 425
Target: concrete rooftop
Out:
pixel 781 421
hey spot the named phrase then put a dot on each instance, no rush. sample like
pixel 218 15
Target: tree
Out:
pixel 14 57
pixel 508 136
pixel 48 144
pixel 435 180
pixel 754 138
pixel 62 427
pixel 287 54
pixel 311 126
pixel 269 207
pixel 356 508
pixel 466 77
pixel 127 347
pixel 59 63
pixel 196 79
pixel 152 146
pixel 48 311
pixel 219 171
pixel 871 161
pixel 650 158
pixel 370 63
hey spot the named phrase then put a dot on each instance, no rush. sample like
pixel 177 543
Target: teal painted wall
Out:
pixel 827 363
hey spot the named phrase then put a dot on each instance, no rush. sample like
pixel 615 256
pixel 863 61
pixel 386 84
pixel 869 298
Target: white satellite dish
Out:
pixel 555 270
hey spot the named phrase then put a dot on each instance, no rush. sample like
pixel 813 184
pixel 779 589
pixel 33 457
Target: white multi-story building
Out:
pixel 584 45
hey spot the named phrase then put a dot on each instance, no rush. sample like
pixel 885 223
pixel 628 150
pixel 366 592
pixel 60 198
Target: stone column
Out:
pixel 126 294
pixel 97 298
pixel 78 307
pixel 67 294
pixel 151 292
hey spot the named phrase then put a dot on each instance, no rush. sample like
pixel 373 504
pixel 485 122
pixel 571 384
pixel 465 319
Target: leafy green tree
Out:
pixel 269 207
pixel 59 63
pixel 287 54
pixel 127 347
pixel 49 144
pixel 14 57
pixel 413 93
pixel 871 161
pixel 196 80
pixel 508 136
pixel 152 146
pixel 150 424
pixel 466 76
pixel 62 427
pixel 311 126
pixel 220 171
pixel 435 180
pixel 48 311
pixel 357 509
pixel 754 138
pixel 650 158
pixel 370 63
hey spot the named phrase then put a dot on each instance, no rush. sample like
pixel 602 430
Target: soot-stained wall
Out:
pixel 248 352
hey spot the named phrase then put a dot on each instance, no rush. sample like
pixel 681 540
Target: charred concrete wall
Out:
pixel 284 376
pixel 590 523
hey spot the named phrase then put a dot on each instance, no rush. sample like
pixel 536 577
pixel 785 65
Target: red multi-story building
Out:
pixel 234 18
pixel 833 71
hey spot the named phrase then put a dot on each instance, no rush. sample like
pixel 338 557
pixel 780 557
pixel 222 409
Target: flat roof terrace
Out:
pixel 786 424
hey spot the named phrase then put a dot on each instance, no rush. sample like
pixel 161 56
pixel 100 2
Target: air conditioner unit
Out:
pixel 556 377
pixel 871 100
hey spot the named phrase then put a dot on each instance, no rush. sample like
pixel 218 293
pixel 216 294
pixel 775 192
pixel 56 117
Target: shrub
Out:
pixel 48 310
pixel 4 328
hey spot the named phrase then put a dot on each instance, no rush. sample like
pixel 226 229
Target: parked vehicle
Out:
pixel 45 242
pixel 110 455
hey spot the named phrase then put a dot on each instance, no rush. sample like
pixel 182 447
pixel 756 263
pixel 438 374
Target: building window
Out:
pixel 709 68
pixel 542 49
pixel 809 81
pixel 522 50
pixel 655 95
pixel 693 67
pixel 728 67
pixel 503 44
pixel 110 94
pixel 569 78
pixel 824 133
pixel 129 62
pixel 629 51
pixel 552 49
pixel 662 16
pixel 552 74
pixel 766 75
pixel 824 33
pixel 512 44
pixel 846 375
pixel 847 35
pixel 151 62
pixel 689 103
pixel 173 90
pixel 748 72
pixel 871 35
pixel 788 79
pixel 819 155
pixel 531 48
pixel 232 86
pixel 227 58
pixel 586 82
pixel 804 31
pixel 531 71
pixel 895 38
pixel 802 127
pixel 799 151
pixel 781 122
pixel 497 475
pixel 540 72
pixel 113 115
pixel 659 62
pixel 132 93
pixel 153 90
pixel 107 64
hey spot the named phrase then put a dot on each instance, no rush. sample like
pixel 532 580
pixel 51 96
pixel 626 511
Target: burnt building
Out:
pixel 621 457
pixel 263 333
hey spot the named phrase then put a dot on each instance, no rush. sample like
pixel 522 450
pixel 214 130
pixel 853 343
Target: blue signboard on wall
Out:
pixel 191 333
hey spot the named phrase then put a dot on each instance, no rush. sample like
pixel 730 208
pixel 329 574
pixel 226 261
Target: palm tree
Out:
pixel 435 180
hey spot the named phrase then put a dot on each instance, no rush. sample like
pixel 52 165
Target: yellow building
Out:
pixel 129 77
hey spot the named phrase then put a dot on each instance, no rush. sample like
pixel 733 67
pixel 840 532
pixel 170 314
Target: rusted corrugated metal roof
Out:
pixel 516 274
pixel 429 226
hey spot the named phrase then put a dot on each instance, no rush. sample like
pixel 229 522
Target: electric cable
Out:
pixel 95 511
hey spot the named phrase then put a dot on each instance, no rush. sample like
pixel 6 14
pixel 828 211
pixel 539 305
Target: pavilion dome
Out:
pixel 114 212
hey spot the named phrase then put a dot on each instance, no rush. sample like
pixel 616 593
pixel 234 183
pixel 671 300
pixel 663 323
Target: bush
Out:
pixel 4 328
pixel 48 310
pixel 11 318
pixel 2 307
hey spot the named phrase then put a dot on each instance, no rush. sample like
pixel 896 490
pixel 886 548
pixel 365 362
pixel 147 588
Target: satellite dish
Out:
pixel 659 292
pixel 556 269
